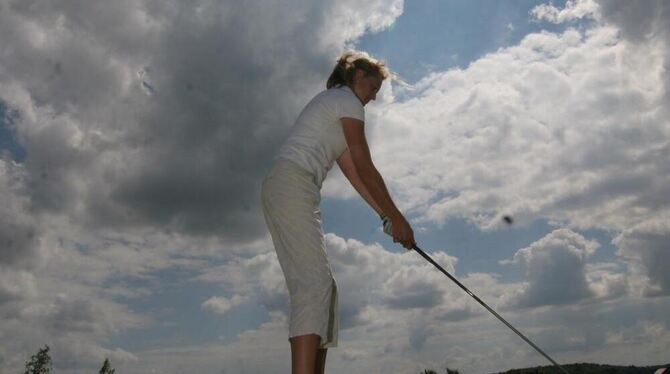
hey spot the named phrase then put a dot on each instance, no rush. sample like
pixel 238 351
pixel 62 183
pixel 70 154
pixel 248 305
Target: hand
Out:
pixel 400 230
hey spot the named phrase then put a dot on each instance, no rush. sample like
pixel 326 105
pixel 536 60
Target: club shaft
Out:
pixel 422 253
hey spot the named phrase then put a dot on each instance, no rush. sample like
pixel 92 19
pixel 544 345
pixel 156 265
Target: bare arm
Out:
pixel 359 152
pixel 348 168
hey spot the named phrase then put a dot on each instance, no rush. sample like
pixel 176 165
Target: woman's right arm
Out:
pixel 354 133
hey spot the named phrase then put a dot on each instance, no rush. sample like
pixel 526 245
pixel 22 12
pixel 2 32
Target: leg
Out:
pixel 320 361
pixel 303 353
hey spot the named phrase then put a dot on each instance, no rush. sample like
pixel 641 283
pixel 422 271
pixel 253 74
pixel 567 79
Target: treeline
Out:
pixel 40 363
pixel 446 371
pixel 585 368
pixel 579 368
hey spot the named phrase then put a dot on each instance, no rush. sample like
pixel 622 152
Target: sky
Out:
pixel 134 136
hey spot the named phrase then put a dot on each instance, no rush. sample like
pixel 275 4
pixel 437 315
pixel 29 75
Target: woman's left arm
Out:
pixel 348 168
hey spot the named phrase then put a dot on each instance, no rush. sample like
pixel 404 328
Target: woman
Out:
pixel 330 128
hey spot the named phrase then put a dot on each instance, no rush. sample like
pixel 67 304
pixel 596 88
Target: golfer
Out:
pixel 330 128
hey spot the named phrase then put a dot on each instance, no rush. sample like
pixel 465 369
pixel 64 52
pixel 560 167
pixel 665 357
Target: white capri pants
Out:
pixel 290 198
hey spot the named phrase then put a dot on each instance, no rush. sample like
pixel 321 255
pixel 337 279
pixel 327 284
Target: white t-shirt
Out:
pixel 316 139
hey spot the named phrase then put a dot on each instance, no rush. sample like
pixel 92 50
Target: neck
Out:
pixel 355 93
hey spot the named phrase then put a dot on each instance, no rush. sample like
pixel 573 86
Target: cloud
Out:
pixel 351 355
pixel 148 125
pixel 19 232
pixel 574 9
pixel 540 131
pixel 639 22
pixel 646 23
pixel 588 332
pixel 220 304
pixel 16 284
pixel 644 243
pixel 367 276
pixel 407 290
pixel 128 120
pixel 554 269
pixel 382 293
pixel 74 298
pixel 70 324
pixel 607 280
pixel 83 287
pixel 396 298
pixel 378 301
pixel 258 279
pixel 646 247
pixel 371 275
pixel 147 128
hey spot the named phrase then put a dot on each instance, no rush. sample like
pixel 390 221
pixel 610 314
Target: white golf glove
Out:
pixel 386 224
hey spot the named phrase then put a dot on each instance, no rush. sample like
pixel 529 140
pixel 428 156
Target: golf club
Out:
pixel 422 253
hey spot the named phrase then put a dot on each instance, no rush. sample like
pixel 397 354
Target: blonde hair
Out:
pixel 345 69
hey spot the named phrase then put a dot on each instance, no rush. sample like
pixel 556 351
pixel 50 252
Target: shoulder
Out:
pixel 334 94
pixel 328 94
pixel 346 95
pixel 334 91
pixel 342 99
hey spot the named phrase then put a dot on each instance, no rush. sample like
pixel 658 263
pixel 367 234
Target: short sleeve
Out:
pixel 349 106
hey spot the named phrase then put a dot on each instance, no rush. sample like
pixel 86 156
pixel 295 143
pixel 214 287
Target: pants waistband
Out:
pixel 283 163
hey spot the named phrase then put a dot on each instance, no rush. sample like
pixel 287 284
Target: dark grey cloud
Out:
pixel 646 243
pixel 418 332
pixel 642 22
pixel 638 21
pixel 19 232
pixel 74 315
pixel 594 327
pixel 166 114
pixel 456 315
pixel 147 127
pixel 413 293
pixel 647 247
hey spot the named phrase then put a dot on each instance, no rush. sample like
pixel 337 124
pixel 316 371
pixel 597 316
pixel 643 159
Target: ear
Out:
pixel 359 74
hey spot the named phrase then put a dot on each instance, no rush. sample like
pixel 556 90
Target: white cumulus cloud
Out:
pixel 555 269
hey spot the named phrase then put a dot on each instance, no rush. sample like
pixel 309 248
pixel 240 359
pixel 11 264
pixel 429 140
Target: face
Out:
pixel 366 88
